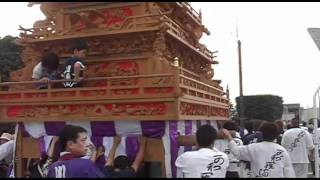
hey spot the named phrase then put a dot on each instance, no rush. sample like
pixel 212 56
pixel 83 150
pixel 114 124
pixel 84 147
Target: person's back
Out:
pixel 267 159
pixel 74 66
pixel 223 145
pixel 207 162
pixel 204 163
pixel 252 138
pixel 46 70
pixel 297 142
pixel 69 72
pixel 127 172
pixel 299 145
pixel 233 170
pixel 74 168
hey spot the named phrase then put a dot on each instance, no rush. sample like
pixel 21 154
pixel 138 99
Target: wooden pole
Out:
pixel 18 151
pixel 241 107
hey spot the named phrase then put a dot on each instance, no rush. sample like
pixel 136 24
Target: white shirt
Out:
pixel 37 71
pixel 267 159
pixel 6 151
pixel 223 145
pixel 314 138
pixel 298 143
pixel 203 163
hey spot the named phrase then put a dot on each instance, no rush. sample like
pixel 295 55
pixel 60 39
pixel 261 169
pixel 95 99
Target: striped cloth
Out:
pixel 102 132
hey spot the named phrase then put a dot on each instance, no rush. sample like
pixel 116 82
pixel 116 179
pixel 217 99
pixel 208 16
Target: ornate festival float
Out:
pixel 147 74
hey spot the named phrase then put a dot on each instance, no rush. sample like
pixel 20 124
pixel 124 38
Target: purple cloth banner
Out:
pixel 103 128
pixel 42 146
pixel 97 140
pixel 132 147
pixel 23 130
pixel 53 128
pixel 153 129
pixel 174 148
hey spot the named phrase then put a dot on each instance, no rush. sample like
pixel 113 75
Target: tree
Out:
pixel 233 112
pixel 10 59
pixel 267 107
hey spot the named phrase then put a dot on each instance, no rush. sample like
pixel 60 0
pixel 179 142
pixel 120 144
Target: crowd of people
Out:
pixel 71 155
pixel 262 149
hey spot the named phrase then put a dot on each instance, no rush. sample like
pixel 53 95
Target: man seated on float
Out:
pixel 46 70
pixel 74 67
pixel 121 165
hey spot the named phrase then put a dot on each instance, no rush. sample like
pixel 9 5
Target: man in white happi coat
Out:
pixel 299 144
pixel 207 161
pixel 267 158
pixel 223 145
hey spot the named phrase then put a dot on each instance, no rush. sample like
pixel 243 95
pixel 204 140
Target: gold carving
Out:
pixel 137 109
pixel 202 110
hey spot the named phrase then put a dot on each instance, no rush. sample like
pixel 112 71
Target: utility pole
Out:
pixel 241 107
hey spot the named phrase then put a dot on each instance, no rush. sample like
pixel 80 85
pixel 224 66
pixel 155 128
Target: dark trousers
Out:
pixel 232 174
pixel 312 167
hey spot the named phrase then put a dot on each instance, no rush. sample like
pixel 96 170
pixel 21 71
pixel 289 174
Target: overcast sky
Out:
pixel 279 57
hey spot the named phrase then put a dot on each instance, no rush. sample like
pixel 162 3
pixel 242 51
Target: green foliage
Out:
pixel 266 107
pixel 10 59
pixel 233 113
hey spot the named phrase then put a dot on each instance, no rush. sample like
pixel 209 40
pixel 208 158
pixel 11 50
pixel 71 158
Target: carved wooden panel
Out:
pixel 104 18
pixel 192 109
pixel 87 110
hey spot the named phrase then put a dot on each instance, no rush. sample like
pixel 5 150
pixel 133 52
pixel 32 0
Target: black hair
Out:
pixel 121 162
pixel 50 61
pixel 206 135
pixel 249 126
pixel 79 45
pixel 295 122
pixel 304 123
pixel 257 124
pixel 69 133
pixel 230 125
pixel 270 131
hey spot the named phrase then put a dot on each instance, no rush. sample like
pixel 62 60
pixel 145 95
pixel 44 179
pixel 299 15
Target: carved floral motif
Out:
pixel 202 110
pixel 125 109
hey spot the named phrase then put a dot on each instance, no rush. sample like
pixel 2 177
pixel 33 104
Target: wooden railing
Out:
pixel 146 86
pixel 201 90
pixel 190 11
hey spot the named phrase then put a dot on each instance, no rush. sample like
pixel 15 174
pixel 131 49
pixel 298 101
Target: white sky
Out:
pixel 279 57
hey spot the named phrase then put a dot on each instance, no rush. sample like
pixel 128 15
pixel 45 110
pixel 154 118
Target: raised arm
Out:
pixel 112 152
pixel 93 155
pixel 52 146
pixel 78 67
pixel 140 155
pixel 6 149
pixel 240 152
